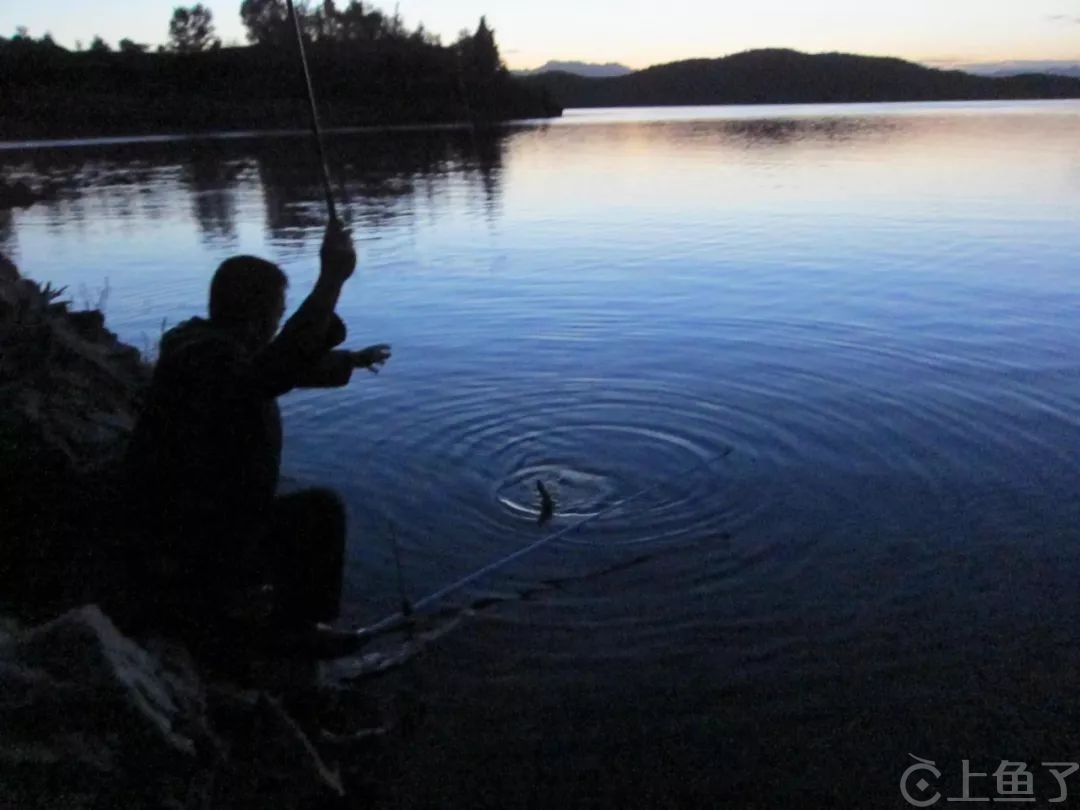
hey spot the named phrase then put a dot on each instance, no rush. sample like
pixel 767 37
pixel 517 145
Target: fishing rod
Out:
pixel 398 618
pixel 316 128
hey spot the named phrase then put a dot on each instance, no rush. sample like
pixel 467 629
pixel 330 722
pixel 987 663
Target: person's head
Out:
pixel 247 295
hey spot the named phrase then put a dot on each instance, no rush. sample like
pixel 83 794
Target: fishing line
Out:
pixel 408 609
pixel 315 126
pixel 395 619
pixel 406 605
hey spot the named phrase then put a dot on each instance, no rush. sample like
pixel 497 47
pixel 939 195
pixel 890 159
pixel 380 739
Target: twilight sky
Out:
pixel 640 34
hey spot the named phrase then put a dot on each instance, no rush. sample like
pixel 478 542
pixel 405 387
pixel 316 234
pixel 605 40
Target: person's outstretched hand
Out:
pixel 371 358
pixel 337 253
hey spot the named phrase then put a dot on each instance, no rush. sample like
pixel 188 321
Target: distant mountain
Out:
pixel 790 77
pixel 588 69
pixel 1017 68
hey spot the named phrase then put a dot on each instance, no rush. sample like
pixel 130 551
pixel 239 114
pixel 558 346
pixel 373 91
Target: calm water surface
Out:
pixel 873 307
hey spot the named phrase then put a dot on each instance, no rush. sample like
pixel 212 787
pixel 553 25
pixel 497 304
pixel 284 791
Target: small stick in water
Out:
pixel 547 504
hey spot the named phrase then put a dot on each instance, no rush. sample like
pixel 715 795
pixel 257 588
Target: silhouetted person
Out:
pixel 206 453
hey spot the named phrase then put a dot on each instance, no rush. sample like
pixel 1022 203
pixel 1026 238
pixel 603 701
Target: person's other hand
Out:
pixel 337 253
pixel 372 358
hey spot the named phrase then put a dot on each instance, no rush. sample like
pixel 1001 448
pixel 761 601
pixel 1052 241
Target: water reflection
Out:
pixel 379 178
pixel 784 131
pixel 211 177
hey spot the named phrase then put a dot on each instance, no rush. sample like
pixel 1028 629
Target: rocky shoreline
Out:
pixel 89 717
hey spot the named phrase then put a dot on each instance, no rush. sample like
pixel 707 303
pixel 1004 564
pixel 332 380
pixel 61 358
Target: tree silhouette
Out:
pixel 192 30
pixel 395 26
pixel 267 21
pixel 325 23
pixel 98 45
pixel 23 43
pixel 479 55
pixel 370 70
pixel 485 53
pixel 130 46
pixel 421 36
pixel 359 25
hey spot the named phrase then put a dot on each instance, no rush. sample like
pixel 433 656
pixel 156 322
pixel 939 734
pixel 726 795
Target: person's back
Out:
pixel 204 459
pixel 205 454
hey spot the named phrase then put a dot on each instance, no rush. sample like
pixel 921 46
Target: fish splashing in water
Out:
pixel 547 504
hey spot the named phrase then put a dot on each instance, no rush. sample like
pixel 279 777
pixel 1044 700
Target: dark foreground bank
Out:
pixel 89 715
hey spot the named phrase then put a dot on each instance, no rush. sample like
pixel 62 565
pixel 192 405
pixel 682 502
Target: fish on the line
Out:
pixel 547 504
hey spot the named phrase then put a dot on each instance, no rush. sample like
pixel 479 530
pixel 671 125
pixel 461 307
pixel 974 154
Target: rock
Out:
pixel 88 718
pixel 271 761
pixel 66 382
pixel 69 391
pixel 89 325
pixel 9 273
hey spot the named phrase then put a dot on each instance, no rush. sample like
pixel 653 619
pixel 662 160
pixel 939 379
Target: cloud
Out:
pixel 1063 18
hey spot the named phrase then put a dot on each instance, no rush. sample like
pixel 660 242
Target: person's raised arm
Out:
pixel 311 330
pixel 312 320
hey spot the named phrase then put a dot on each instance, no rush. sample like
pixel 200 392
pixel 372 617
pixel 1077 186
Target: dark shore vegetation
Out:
pixel 69 391
pixel 788 77
pixel 367 67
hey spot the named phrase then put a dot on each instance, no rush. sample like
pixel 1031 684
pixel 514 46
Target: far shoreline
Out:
pixel 60 142
pixel 764 110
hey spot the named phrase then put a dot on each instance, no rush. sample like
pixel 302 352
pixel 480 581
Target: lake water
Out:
pixel 837 347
